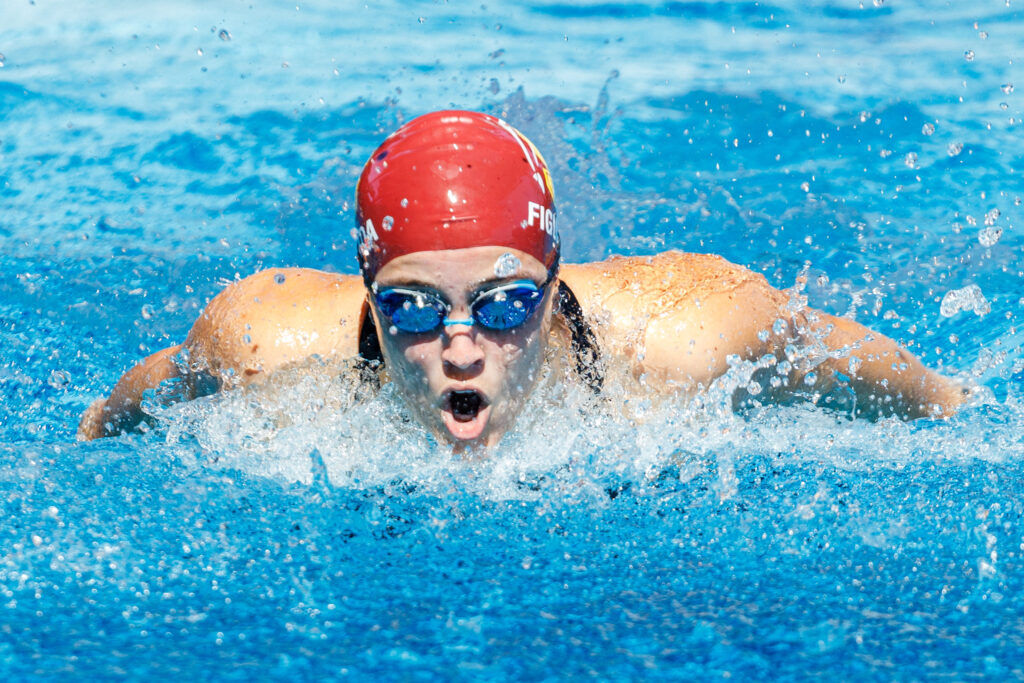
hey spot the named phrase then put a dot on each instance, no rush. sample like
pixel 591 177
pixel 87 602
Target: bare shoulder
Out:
pixel 677 315
pixel 279 316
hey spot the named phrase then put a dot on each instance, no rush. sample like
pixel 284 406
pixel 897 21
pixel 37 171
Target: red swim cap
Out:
pixel 451 180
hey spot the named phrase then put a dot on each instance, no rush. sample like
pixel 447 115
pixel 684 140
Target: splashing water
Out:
pixel 968 298
pixel 507 265
pixel 309 528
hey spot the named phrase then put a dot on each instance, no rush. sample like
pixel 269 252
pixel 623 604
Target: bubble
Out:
pixel 2 59
pixel 494 86
pixel 779 326
pixel 59 379
pixel 392 330
pixel 224 35
pixel 199 51
pixel 246 339
pixel 928 129
pixel 810 378
pixel 954 148
pixel 1004 106
pixel 1006 88
pixel 989 236
pixel 147 311
pixel 753 388
pixel 404 202
pixel 279 278
pixel 991 216
pixel 910 160
pixel 968 298
pixel 388 223
pixel 854 364
pixel 841 78
pixel 763 335
pixel 507 265
pixel 969 55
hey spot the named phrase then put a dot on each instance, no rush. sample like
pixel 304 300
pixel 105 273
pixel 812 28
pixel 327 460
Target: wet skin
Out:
pixel 673 319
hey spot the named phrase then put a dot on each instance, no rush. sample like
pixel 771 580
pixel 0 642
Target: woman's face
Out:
pixel 465 382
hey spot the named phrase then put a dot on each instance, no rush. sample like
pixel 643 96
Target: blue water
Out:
pixel 867 156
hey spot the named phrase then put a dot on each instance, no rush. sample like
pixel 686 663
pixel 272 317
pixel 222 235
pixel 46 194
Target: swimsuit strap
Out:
pixel 369 344
pixel 585 350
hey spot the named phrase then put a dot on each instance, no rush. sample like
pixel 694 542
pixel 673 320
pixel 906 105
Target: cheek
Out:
pixel 405 354
pixel 420 355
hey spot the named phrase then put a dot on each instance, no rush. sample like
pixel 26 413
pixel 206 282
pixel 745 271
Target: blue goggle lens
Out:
pixel 411 311
pixel 501 308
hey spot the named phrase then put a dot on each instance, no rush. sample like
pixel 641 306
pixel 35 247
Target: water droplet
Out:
pixel 147 311
pixel 246 339
pixel 954 148
pixel 59 379
pixel 989 236
pixel 421 19
pixel 983 35
pixel 507 265
pixel 404 202
pixel 279 278
pixel 928 129
pixel 387 223
pixel 1006 88
pixel 199 51
pixel 878 3
pixel 953 339
pixel 910 160
pixel 969 55
pixel 224 35
pixel 968 298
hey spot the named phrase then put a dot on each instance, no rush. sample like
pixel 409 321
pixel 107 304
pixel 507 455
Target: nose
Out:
pixel 462 354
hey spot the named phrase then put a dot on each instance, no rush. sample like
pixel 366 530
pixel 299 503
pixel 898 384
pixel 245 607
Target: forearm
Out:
pixel 122 410
pixel 885 378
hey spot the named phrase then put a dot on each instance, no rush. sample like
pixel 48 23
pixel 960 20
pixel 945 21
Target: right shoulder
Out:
pixel 276 317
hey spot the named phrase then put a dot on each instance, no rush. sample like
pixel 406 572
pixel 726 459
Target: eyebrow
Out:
pixel 475 289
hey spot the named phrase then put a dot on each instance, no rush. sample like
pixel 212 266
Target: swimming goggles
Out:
pixel 501 308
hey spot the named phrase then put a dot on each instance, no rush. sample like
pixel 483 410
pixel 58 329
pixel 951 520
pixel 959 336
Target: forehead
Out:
pixel 461 268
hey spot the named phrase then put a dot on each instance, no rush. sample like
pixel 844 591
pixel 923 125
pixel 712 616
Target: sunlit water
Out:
pixel 153 152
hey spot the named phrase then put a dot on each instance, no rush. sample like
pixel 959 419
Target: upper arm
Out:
pixel 680 317
pixel 122 409
pixel 885 378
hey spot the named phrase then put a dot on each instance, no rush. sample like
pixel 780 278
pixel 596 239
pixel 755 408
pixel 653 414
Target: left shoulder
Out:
pixel 677 315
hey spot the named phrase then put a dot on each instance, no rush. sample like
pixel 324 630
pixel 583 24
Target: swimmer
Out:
pixel 462 299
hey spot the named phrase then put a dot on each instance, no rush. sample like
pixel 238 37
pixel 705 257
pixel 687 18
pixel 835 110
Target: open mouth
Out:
pixel 465 405
pixel 465 413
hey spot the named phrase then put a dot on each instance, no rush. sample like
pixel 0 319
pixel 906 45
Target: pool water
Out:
pixel 864 155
